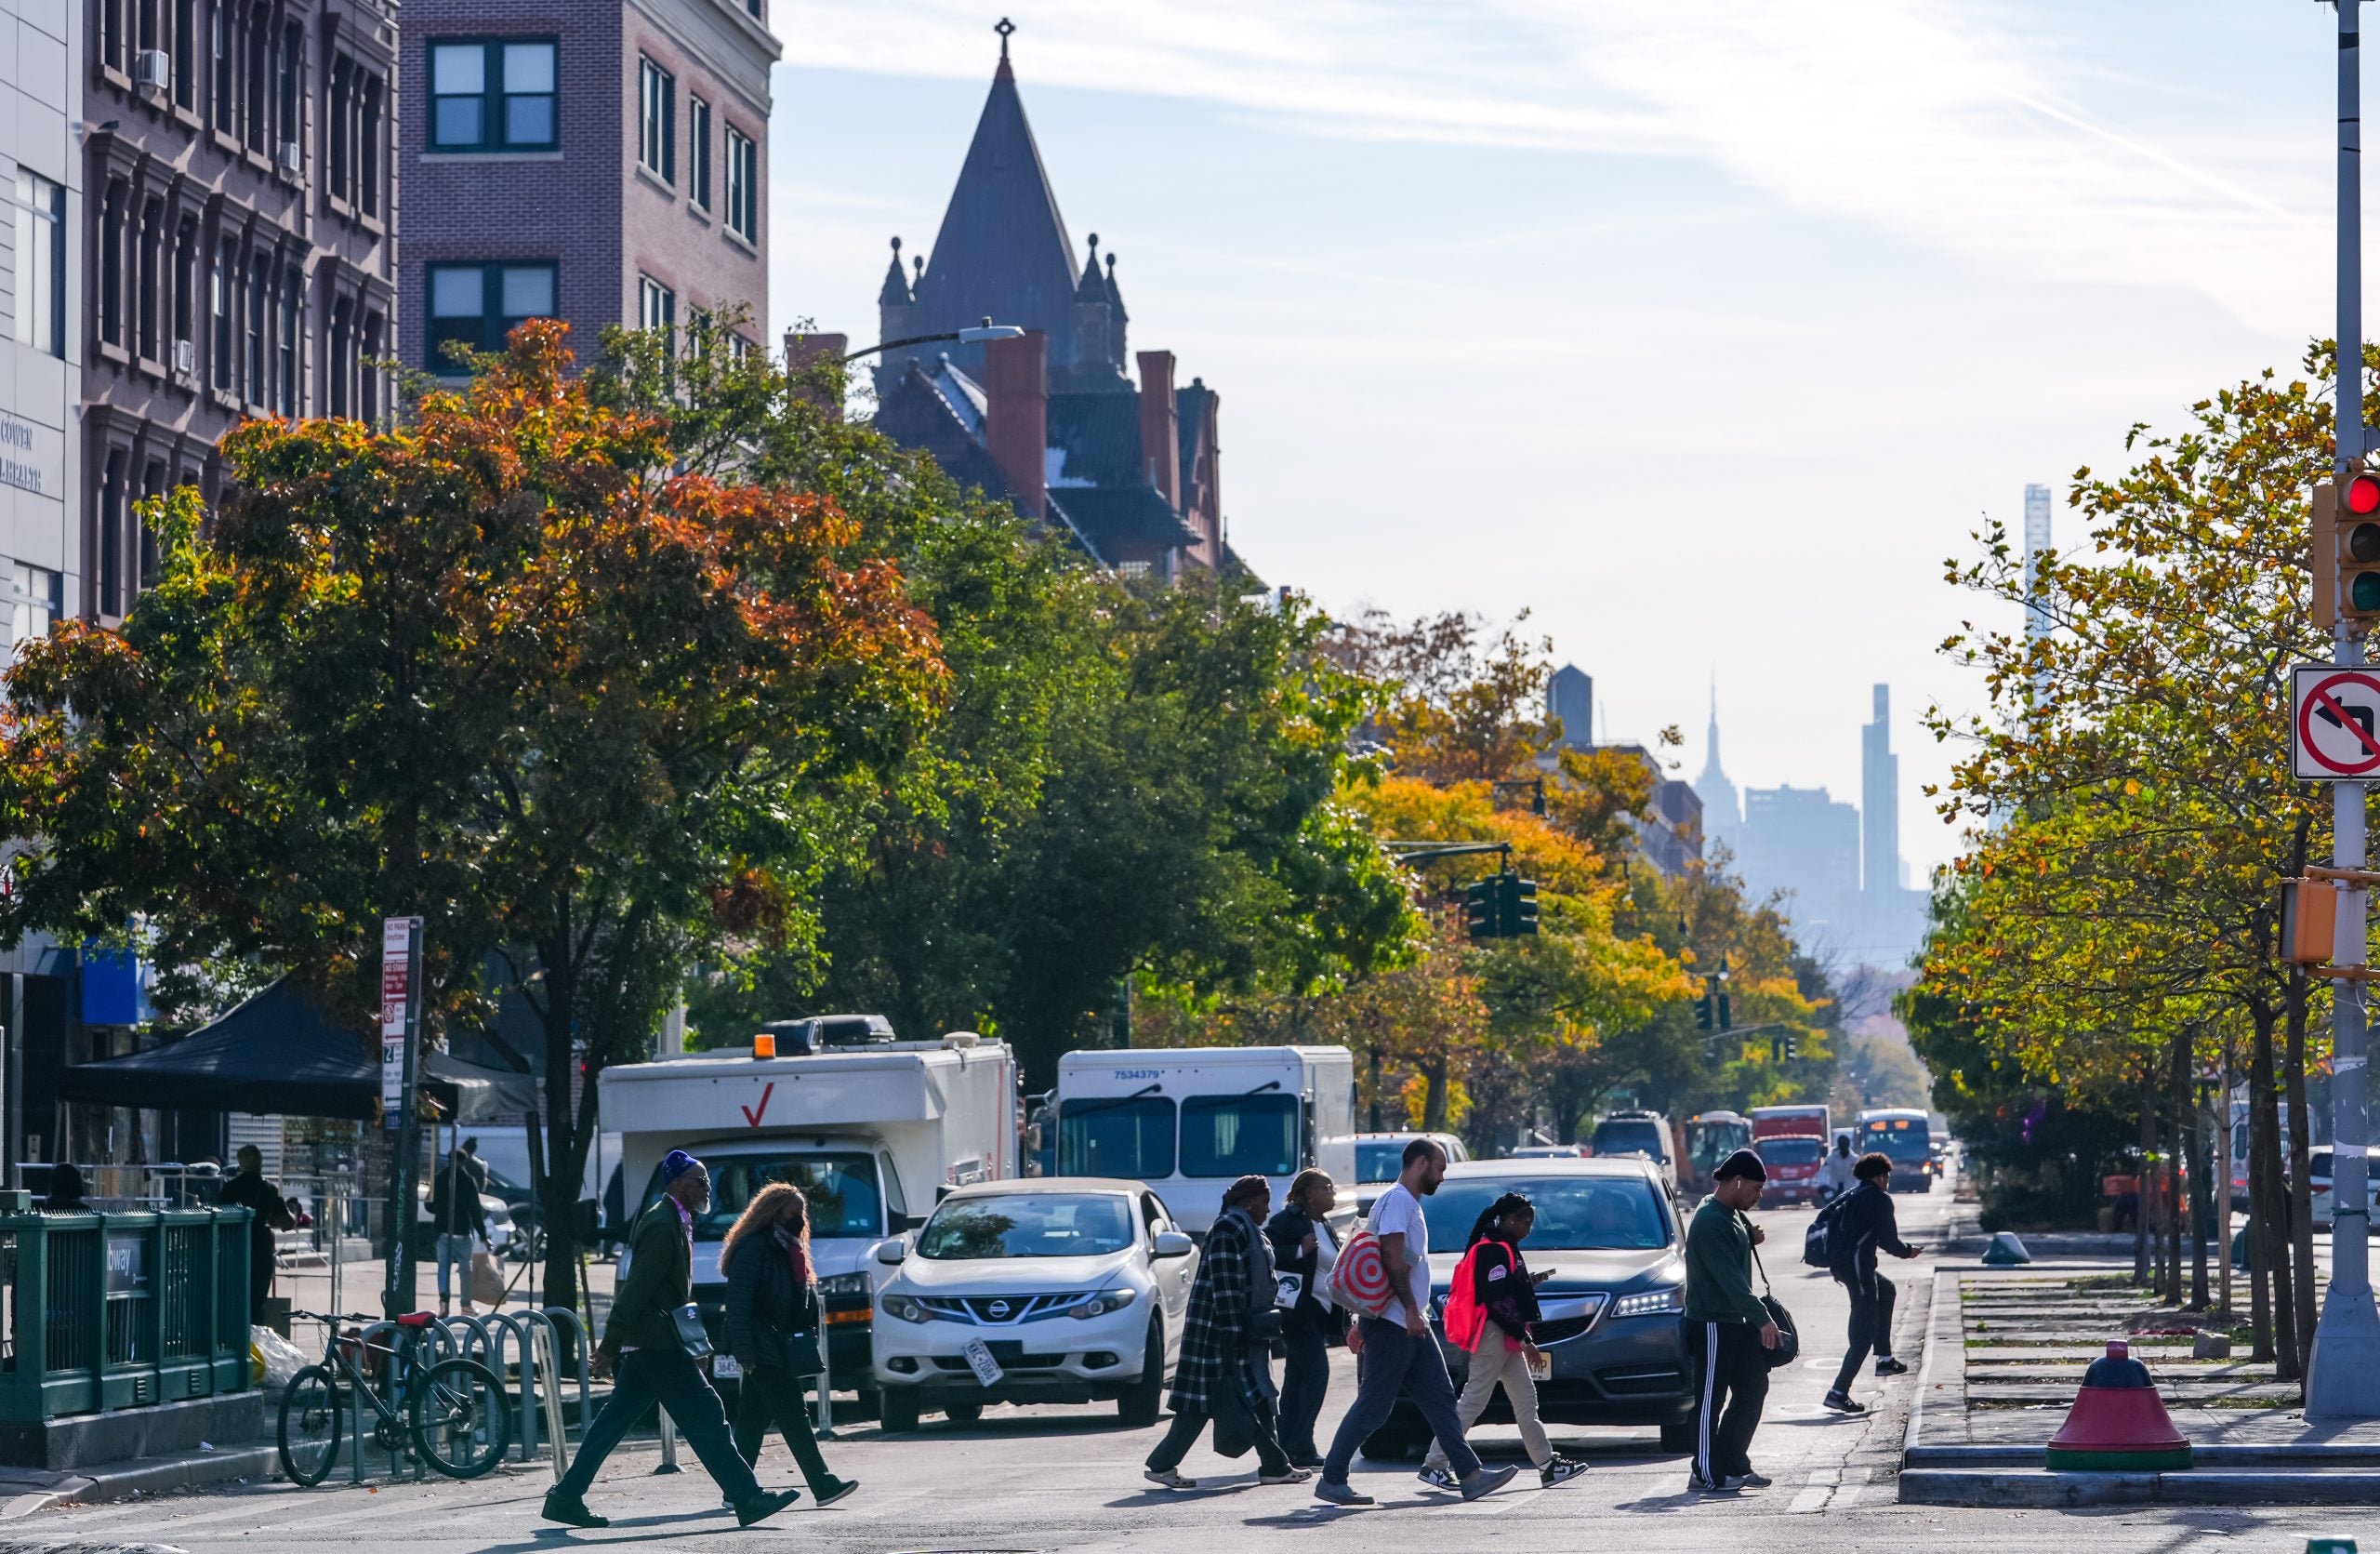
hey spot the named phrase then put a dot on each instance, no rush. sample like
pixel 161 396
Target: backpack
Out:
pixel 1817 1239
pixel 1359 1279
pixel 1465 1318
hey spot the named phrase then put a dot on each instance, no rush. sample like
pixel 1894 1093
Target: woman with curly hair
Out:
pixel 773 1329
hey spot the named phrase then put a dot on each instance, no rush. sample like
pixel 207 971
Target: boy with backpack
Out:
pixel 1489 1312
pixel 1864 1224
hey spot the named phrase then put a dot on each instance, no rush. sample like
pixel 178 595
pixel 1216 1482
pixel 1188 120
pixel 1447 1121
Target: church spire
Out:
pixel 1091 288
pixel 895 292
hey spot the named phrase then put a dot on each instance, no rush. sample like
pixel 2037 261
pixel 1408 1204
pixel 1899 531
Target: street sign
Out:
pixel 398 1018
pixel 2334 722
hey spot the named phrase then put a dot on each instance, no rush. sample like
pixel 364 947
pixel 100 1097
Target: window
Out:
pixel 31 598
pixel 253 389
pixel 479 304
pixel 698 151
pixel 656 305
pixel 219 287
pixel 840 1189
pixel 185 53
pixel 186 281
pixel 367 166
pixel 41 263
pixel 743 186
pixel 342 139
pixel 367 393
pixel 260 76
pixel 112 506
pixel 657 126
pixel 149 272
pixel 292 329
pixel 112 240
pixel 337 370
pixel 493 95
pixel 112 52
pixel 293 64
pixel 1232 1136
pixel 1119 1136
pixel 223 92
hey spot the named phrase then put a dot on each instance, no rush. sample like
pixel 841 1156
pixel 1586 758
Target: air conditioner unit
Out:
pixel 153 69
pixel 293 159
pixel 185 358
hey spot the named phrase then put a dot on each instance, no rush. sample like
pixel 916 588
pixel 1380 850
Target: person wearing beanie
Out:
pixel 642 1347
pixel 1727 1328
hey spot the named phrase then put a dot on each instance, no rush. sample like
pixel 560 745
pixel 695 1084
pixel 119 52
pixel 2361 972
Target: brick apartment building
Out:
pixel 238 200
pixel 596 163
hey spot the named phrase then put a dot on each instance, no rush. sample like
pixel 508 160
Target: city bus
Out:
pixel 1902 1135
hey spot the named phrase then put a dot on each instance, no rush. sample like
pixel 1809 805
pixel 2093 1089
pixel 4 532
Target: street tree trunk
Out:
pixel 2276 1338
pixel 2177 1132
pixel 2144 1179
pixel 2300 1207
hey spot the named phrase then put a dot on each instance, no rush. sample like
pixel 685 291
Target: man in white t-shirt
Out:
pixel 1399 1354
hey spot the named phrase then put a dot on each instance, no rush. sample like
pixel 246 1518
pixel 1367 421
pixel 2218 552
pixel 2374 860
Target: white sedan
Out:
pixel 1044 1289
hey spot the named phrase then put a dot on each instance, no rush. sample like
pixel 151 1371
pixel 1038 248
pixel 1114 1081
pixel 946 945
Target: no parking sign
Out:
pixel 2334 722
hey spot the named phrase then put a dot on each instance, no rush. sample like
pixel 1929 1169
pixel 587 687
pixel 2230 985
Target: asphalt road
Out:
pixel 1070 1479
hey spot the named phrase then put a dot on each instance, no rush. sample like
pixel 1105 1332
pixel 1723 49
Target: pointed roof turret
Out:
pixel 895 293
pixel 1091 288
pixel 1002 251
pixel 1114 295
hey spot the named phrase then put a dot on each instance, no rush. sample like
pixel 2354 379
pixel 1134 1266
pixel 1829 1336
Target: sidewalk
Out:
pixel 2006 1352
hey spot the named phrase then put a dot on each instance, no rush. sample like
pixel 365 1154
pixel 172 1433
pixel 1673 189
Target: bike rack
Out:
pixel 396 1385
pixel 535 1322
pixel 505 1322
pixel 557 1317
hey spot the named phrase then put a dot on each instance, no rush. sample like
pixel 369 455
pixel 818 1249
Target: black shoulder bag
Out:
pixel 1788 1342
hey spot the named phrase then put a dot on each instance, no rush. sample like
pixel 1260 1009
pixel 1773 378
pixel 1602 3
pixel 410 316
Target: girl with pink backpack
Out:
pixel 1491 1306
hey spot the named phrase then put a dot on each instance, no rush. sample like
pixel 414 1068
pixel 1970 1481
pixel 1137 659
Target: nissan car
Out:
pixel 1040 1290
pixel 1608 1235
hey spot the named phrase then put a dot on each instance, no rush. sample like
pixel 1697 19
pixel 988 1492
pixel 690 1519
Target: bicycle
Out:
pixel 453 1414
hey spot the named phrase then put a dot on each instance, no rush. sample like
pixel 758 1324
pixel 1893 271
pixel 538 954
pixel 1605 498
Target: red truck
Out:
pixel 1792 1142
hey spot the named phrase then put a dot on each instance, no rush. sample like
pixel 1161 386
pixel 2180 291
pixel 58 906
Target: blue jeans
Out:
pixel 1396 1362
pixel 455 1251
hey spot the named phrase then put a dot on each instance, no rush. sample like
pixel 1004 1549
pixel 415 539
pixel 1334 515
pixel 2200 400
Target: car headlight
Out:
pixel 1651 1303
pixel 907 1309
pixel 1102 1302
pixel 843 1284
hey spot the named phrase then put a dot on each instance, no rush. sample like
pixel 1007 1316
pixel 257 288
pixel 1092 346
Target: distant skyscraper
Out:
pixel 1879 801
pixel 2037 541
pixel 1571 695
pixel 1722 818
pixel 1801 840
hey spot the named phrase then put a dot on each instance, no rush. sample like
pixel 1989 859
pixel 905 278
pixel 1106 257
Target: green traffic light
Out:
pixel 2364 542
pixel 2363 589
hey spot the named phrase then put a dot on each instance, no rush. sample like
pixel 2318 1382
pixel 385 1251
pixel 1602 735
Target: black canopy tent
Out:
pixel 276 1054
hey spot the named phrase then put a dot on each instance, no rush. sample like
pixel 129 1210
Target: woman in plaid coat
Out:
pixel 1226 1370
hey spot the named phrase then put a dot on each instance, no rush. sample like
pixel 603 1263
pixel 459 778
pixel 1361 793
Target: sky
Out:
pixel 1706 334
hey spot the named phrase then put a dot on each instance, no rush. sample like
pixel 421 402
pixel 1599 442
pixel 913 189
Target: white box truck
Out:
pixel 1189 1121
pixel 871 1134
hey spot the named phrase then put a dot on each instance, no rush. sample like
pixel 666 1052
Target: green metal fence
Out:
pixel 117 1310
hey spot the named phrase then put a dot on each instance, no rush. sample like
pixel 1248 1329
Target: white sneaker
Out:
pixel 1441 1477
pixel 1168 1479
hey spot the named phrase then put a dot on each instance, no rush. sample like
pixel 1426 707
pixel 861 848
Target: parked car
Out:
pixel 1637 1132
pixel 1609 1236
pixel 1548 1152
pixel 2318 1180
pixel 1041 1289
pixel 1379 1159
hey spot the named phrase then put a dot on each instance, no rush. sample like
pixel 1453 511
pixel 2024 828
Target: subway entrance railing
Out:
pixel 120 1310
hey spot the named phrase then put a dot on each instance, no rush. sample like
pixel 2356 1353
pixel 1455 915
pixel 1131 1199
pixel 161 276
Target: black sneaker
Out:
pixel 1888 1366
pixel 571 1511
pixel 1441 1477
pixel 1561 1470
pixel 1697 1484
pixel 840 1489
pixel 1841 1402
pixel 1487 1481
pixel 1752 1479
pixel 765 1505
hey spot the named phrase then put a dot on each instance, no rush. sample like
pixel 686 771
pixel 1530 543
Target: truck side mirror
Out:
pixel 1173 1243
pixel 891 1252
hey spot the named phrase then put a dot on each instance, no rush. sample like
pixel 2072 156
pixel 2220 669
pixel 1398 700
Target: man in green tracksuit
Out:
pixel 1727 1328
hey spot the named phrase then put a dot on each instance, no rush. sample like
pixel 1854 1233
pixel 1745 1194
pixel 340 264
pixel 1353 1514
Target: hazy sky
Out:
pixel 1705 332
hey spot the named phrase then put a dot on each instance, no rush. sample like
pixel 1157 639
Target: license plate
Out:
pixel 979 1359
pixel 1541 1368
pixel 725 1367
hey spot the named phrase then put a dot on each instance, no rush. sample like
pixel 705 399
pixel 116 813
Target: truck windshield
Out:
pixel 841 1189
pixel 1116 1135
pixel 1791 1149
pixel 1236 1136
pixel 1028 1225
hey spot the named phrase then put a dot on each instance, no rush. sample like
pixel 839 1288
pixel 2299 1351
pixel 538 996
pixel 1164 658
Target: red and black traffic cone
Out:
pixel 2118 1423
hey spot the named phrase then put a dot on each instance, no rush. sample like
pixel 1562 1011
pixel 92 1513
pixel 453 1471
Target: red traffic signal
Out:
pixel 2364 495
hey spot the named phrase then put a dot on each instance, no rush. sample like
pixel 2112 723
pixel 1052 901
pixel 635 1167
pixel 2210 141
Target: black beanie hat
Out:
pixel 1743 1163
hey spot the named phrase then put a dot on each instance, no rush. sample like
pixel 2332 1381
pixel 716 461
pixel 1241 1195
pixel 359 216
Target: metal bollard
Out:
pixel 668 1445
pixel 506 1322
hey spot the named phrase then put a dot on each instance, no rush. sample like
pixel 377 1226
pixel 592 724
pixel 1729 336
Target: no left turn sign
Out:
pixel 2334 722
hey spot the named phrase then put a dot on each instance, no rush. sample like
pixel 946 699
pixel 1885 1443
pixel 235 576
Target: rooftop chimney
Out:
pixel 1161 436
pixel 803 354
pixel 1017 417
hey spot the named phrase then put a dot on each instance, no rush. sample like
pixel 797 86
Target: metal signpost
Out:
pixel 400 1090
pixel 2344 1379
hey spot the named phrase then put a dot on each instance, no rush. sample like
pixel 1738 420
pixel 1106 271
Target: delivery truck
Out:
pixel 1189 1121
pixel 873 1133
pixel 1792 1142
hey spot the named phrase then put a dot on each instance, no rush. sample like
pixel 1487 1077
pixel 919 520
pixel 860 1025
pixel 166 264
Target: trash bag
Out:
pixel 273 1359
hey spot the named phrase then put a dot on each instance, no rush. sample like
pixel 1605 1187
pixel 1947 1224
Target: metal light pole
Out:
pixel 2344 1379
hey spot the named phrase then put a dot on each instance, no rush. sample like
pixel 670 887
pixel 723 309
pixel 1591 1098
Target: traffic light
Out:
pixel 1706 1007
pixel 1726 1015
pixel 2356 520
pixel 1517 906
pixel 1479 909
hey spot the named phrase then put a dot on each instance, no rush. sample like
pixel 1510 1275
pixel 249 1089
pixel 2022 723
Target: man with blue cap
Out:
pixel 642 1347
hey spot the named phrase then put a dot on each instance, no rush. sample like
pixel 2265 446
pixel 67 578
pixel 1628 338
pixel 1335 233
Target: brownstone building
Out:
pixel 238 261
pixel 600 162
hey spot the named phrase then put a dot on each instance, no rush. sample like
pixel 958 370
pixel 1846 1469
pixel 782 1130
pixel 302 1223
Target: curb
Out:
pixel 1926 1486
pixel 121 1481
pixel 2311 1456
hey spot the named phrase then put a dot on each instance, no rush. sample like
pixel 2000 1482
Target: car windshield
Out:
pixel 1788 1152
pixel 1028 1225
pixel 1580 1214
pixel 1633 1136
pixel 840 1189
pixel 1237 1136
pixel 1116 1135
pixel 1379 1159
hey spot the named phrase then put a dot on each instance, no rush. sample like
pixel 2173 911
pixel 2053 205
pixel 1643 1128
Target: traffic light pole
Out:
pixel 2344 1379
